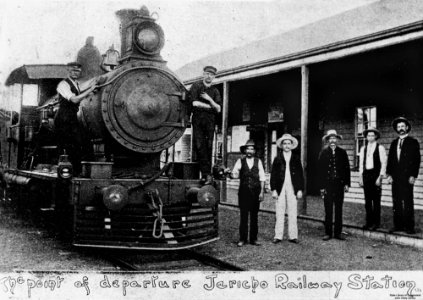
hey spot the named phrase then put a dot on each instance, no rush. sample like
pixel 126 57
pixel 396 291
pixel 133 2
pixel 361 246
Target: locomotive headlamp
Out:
pixel 115 197
pixel 64 168
pixel 207 196
pixel 149 38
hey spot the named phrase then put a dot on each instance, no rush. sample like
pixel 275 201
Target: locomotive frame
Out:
pixel 122 199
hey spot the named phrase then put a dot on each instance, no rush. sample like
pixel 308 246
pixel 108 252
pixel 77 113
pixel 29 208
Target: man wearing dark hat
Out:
pixel 372 168
pixel 287 185
pixel 334 180
pixel 69 135
pixel 206 105
pixel 402 170
pixel 250 171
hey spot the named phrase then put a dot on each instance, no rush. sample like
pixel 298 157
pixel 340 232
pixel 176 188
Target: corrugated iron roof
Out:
pixel 30 73
pixel 356 23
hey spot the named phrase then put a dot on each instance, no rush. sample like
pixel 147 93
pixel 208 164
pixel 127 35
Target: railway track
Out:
pixel 183 260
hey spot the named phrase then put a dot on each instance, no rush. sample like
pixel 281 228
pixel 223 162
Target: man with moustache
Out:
pixel 206 105
pixel 372 168
pixel 69 134
pixel 402 170
pixel 250 171
pixel 334 180
pixel 287 185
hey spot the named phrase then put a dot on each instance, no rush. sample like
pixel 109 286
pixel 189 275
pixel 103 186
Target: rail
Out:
pixel 204 259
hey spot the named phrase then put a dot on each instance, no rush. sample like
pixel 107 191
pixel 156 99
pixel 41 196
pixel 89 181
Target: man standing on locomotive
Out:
pixel 68 133
pixel 206 105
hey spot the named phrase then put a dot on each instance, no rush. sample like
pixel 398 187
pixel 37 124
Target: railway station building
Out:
pixel 360 68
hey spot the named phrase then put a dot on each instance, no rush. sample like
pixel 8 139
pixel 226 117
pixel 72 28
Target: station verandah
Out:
pixel 347 94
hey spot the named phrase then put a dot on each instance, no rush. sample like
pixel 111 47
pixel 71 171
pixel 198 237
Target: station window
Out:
pixel 365 117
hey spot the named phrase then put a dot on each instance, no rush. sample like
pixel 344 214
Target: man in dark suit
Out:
pixel 402 170
pixel 334 179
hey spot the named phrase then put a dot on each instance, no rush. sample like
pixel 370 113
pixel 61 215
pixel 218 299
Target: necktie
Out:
pixel 399 148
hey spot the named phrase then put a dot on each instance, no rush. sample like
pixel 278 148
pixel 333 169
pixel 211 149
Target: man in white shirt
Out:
pixel 68 133
pixel 250 171
pixel 287 185
pixel 372 169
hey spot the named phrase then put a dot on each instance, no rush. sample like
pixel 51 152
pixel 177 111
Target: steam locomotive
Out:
pixel 126 197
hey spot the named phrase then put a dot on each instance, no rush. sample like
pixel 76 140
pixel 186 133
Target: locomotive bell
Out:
pixel 111 58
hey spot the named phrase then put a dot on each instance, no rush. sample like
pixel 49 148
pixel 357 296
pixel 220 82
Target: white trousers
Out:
pixel 287 202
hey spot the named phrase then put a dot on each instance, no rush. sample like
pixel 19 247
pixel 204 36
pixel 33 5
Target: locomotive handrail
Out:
pixel 102 77
pixel 151 179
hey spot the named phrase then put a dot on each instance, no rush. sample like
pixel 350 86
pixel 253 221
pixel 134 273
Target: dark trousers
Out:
pixel 403 204
pixel 372 195
pixel 334 198
pixel 249 205
pixel 203 131
pixel 73 140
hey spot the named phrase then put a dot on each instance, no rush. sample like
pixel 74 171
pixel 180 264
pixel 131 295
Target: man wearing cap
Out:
pixel 69 135
pixel 402 170
pixel 287 185
pixel 250 171
pixel 206 105
pixel 372 168
pixel 334 180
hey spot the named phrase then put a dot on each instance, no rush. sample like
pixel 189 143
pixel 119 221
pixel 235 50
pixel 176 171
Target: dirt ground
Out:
pixel 356 253
pixel 28 244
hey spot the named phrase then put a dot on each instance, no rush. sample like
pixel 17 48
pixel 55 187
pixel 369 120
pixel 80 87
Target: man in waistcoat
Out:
pixel 206 105
pixel 250 171
pixel 372 169
pixel 334 180
pixel 402 170
pixel 287 185
pixel 68 133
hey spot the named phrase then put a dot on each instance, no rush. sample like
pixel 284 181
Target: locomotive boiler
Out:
pixel 128 196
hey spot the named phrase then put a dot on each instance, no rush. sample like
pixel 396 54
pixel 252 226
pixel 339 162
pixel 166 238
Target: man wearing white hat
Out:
pixel 372 168
pixel 250 171
pixel 334 180
pixel 402 170
pixel 287 184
